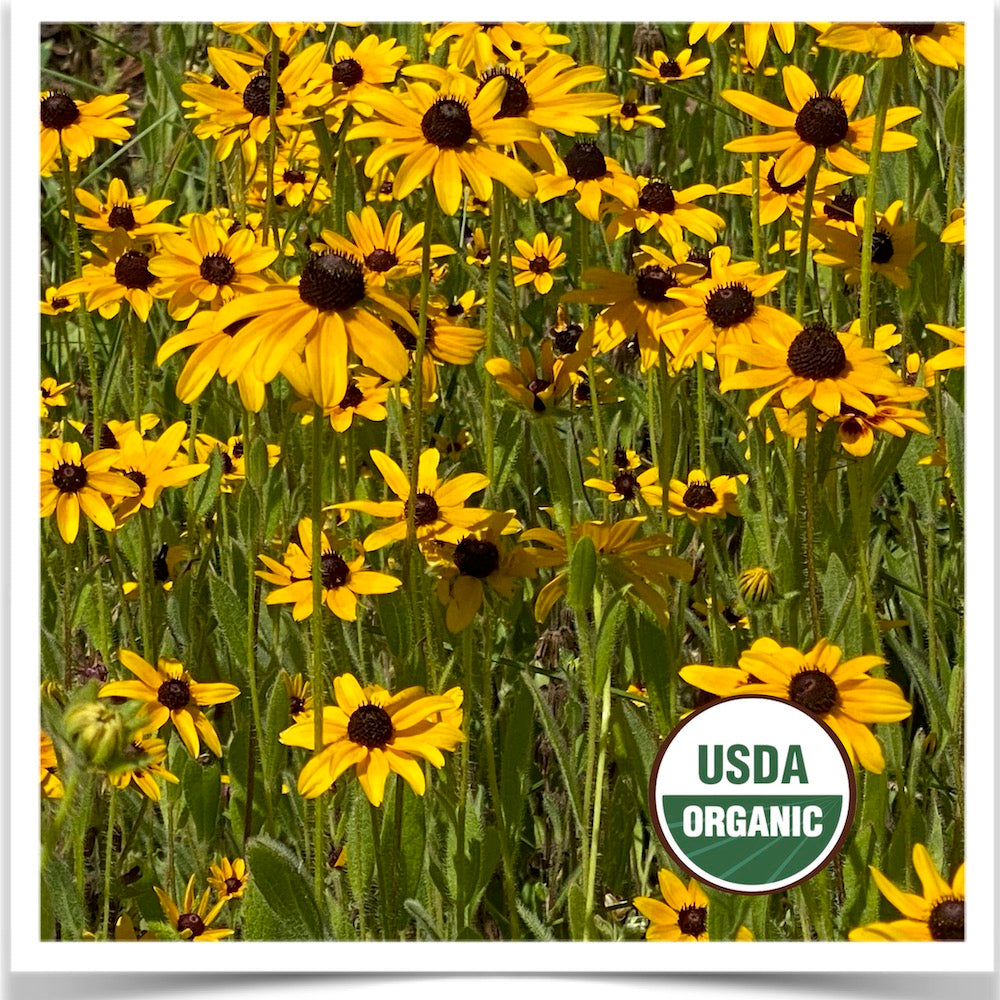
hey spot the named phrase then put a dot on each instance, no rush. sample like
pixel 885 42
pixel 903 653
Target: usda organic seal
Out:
pixel 752 794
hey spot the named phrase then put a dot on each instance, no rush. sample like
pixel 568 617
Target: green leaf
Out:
pixel 256 464
pixel 278 874
pixel 518 742
pixel 201 784
pixel 230 613
pixel 582 574
pixel 608 645
pixel 915 663
pixel 954 116
pixel 424 920
pixel 206 487
pixel 954 435
pixel 62 899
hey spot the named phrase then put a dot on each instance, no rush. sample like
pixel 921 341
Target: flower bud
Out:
pixel 99 733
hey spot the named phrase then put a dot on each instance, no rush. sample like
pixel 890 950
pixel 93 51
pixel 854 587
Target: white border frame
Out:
pixel 28 954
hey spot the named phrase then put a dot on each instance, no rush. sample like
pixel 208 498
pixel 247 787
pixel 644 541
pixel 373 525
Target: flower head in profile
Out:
pixel 757 583
pixel 954 232
pixel 817 122
pixel 343 579
pixel 52 394
pixel 538 386
pixel 365 396
pixel 941 44
pixel 170 693
pixel 146 755
pixel 953 357
pixel 193 922
pixel 72 482
pixel 376 733
pixel 937 914
pixel 71 127
pixel 51 785
pixel 777 199
pixel 839 692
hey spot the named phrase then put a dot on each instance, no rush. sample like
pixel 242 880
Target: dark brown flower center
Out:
pixel 582 391
pixel 909 27
pixel 620 458
pixel 59 110
pixel 257 96
pixel 516 100
pixel 653 282
pixel 282 61
pixel 381 260
pixel 161 571
pixel 108 439
pixel 629 110
pixel 476 557
pixel 882 248
pixel 296 705
pixel 539 265
pixel 535 386
pixel 352 397
pixel 814 690
pixel 370 726
pixel 822 121
pixel 59 302
pixel 348 72
pixel 191 922
pixel 657 196
pixel 233 884
pixel 69 478
pixel 698 496
pixel 333 570
pixel 121 217
pixel 174 694
pixel 455 309
pixel 670 69
pixel 137 477
pixel 626 484
pixel 702 257
pixel 784 188
pixel 332 281
pixel 386 187
pixel 693 920
pixel 841 206
pixel 426 510
pixel 132 270
pixel 294 177
pixel 404 336
pixel 565 340
pixel 585 162
pixel 816 353
pixel 729 304
pixel 446 123
pixel 218 269
pixel 238 449
pixel 947 920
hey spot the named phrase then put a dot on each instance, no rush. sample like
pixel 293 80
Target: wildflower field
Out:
pixel 432 415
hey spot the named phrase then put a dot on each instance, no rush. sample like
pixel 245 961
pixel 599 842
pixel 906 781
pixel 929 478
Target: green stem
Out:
pixel 135 352
pixel 316 676
pixel 702 414
pixel 812 584
pixel 758 245
pixel 595 828
pixel 463 793
pixel 491 340
pixel 383 888
pixel 800 293
pixel 397 852
pixel 271 139
pixel 874 159
pixel 714 610
pixel 150 646
pixel 66 808
pixel 108 855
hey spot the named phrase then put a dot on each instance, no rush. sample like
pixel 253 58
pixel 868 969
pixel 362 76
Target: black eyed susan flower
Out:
pixel 71 127
pixel 627 483
pixel 954 232
pixel 829 369
pixel 439 511
pixel 72 482
pixel 108 281
pixel 447 138
pixel 229 878
pixel 538 386
pixel 856 431
pixel 193 923
pixel 465 567
pixel 775 198
pixel 297 178
pixel 839 692
pixel 536 262
pixel 352 72
pixel 701 497
pixel 365 396
pixel 299 694
pixel 937 914
pixel 52 394
pixel 662 68
pixel 121 219
pixel 667 211
pixel 630 113
pixel 940 44
pixel 681 916
pixel 146 755
pixel 954 357
pixel 590 173
pixel 386 254
pixel 756 583
pixel 343 580
pixel 55 303
pixel 233 449
pixel 755 39
pixel 480 44
pixel 168 564
pixel 477 250
pixel 152 466
pixel 818 121
pixel 382 186
pixel 376 733
pixel 51 785
pixel 169 692
pixel 894 245
pixel 208 267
